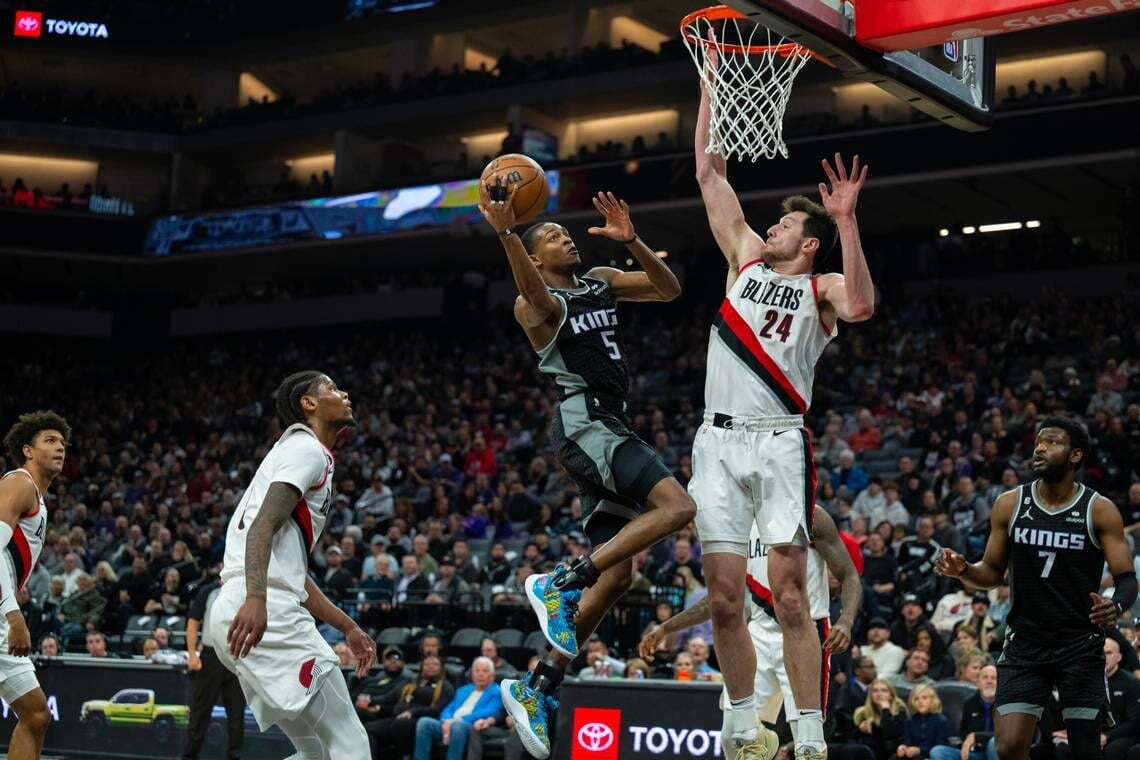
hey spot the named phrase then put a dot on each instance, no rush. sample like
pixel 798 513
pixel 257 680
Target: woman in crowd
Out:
pixel 880 721
pixel 424 697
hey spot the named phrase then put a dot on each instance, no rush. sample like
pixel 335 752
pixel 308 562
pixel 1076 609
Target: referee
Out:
pixel 208 677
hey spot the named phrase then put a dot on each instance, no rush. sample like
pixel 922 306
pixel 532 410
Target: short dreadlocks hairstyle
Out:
pixel 27 427
pixel 818 224
pixel 288 396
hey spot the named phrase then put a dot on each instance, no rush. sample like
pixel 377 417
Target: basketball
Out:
pixel 521 172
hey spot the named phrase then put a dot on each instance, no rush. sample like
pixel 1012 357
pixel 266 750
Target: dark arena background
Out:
pixel 200 197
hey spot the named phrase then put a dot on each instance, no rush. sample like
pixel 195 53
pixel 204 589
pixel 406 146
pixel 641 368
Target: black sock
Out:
pixel 546 677
pixel 581 574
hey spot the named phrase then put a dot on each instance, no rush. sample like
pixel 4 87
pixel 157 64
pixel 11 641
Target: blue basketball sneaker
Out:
pixel 530 709
pixel 555 610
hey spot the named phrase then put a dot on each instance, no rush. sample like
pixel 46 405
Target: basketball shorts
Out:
pixel 17 674
pixel 772 688
pixel 613 468
pixel 745 474
pixel 281 674
pixel 1029 670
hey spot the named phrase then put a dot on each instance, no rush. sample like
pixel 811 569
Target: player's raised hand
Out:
pixel 247 628
pixel 363 648
pixel 950 564
pixel 838 638
pixel 712 56
pixel 648 645
pixel 840 198
pixel 1104 611
pixel 616 213
pixel 499 211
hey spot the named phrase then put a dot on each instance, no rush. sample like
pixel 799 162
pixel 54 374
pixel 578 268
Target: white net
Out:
pixel 748 73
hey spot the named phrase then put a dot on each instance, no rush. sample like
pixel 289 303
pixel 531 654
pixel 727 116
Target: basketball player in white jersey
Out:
pixel 752 458
pixel 771 688
pixel 38 443
pixel 261 625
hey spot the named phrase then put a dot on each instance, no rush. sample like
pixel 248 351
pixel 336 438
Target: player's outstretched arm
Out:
pixel 361 644
pixel 834 553
pixel 737 241
pixel 1109 528
pixel 695 615
pixel 990 571
pixel 849 296
pixel 249 623
pixel 657 282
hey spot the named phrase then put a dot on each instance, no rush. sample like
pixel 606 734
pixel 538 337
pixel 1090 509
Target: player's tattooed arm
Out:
pixel 280 501
pixel 695 615
pixel 990 571
pixel 834 553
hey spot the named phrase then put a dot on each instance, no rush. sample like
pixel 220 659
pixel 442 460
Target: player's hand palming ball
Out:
pixel 523 178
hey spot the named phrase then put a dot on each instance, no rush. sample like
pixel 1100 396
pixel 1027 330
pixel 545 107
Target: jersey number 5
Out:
pixel 611 344
pixel 784 329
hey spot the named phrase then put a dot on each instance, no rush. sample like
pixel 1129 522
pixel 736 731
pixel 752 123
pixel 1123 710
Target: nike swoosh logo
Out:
pixel 241 521
pixel 780 432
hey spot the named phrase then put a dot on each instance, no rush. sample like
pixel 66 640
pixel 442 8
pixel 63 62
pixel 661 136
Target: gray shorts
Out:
pixel 613 468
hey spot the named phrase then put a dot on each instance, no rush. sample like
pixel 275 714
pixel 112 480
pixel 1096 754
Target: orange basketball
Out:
pixel 517 171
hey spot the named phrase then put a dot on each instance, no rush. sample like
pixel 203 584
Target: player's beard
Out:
pixel 1054 473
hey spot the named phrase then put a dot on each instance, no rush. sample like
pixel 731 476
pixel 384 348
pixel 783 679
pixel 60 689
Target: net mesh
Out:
pixel 748 87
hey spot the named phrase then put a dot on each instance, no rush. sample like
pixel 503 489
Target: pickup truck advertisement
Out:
pixel 130 710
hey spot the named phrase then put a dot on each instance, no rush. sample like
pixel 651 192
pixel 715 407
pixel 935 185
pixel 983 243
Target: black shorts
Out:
pixel 613 468
pixel 1029 670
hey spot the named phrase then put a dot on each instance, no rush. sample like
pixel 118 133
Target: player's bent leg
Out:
pixel 27 700
pixel 669 508
pixel 328 729
pixel 787 573
pixel 1013 730
pixel 1084 736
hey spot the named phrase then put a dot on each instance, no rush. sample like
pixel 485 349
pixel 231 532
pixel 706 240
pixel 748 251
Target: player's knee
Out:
pixel 37 720
pixel 791 607
pixel 726 608
pixel 1010 746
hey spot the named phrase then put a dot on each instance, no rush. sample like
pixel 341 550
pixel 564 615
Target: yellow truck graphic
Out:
pixel 134 707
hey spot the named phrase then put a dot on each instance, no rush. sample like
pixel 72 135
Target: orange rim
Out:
pixel 722 13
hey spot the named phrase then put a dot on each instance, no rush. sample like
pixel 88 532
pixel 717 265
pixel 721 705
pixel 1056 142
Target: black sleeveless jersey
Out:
pixel 587 355
pixel 1055 561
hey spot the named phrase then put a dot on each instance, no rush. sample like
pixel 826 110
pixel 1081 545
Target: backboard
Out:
pixel 953 82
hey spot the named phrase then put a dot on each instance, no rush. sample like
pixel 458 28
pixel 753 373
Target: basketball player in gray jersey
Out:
pixel 630 501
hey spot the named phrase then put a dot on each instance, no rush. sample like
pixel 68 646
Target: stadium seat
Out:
pixel 397 636
pixel 468 637
pixel 508 637
pixel 953 695
pixel 536 641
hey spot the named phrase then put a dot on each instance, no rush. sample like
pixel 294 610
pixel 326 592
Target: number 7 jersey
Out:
pixel 765 342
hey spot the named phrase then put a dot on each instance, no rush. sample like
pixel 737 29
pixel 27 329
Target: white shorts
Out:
pixel 772 688
pixel 281 674
pixel 17 674
pixel 743 475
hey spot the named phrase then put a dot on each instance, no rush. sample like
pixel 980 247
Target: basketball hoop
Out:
pixel 751 85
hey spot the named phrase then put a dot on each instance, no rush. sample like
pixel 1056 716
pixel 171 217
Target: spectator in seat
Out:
pixel 489 648
pixel 377 500
pixel 336 581
pixel 476 707
pixel 887 655
pixel 879 569
pixel 82 611
pixel 893 510
pixel 171 596
pixel 425 697
pixel 426 563
pixel 377 695
pixel 49 646
pixel 881 721
pixel 448 588
pixel 848 478
pixel 682 557
pixel 97 644
pixel 33 613
pixel 866 436
pixel 830 445
pixel 970 664
pixel 411 587
pixel 916 557
pixel 498 570
pixel 914 672
pixel 977 725
pixel 927 727
pixel 465 566
pixel 848 697
pixel 870 500
pixel 600 664
pixel 698 648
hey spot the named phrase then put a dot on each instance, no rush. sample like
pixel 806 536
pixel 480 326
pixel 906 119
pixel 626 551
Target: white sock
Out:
pixel 807 729
pixel 740 725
